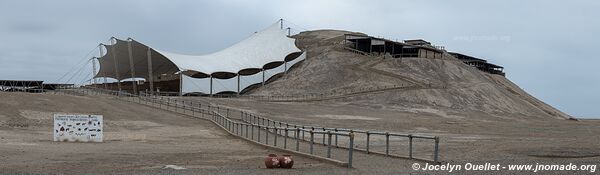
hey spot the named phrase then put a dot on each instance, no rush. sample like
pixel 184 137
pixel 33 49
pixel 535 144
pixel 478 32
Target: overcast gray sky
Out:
pixel 546 47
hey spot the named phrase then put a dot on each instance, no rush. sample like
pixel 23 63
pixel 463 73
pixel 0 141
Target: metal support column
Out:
pixel 211 85
pixel 371 46
pixel 263 74
pixel 180 84
pixel 238 84
pixel 94 70
pixel 114 54
pixel 150 75
pixel 131 66
pixel 393 49
pixel 384 49
pixel 280 23
pixel 103 73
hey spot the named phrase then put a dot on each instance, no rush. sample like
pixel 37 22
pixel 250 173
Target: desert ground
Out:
pixel 143 140
pixel 137 140
pixel 464 139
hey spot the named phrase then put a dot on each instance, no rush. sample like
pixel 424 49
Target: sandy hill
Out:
pixel 445 87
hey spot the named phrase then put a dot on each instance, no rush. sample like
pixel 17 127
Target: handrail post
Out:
pixel 285 139
pixel 350 149
pixel 258 130
pixel 275 133
pixel 183 106
pixel 368 141
pixel 312 141
pixel 436 150
pixel 328 144
pixel 387 143
pixel 336 137
pixel 297 139
pixel 200 109
pixel 323 135
pixel 267 135
pixel 410 146
pixel 176 105
pixel 280 127
pixel 192 108
pixel 228 124
pixel 235 128
pixel 303 133
pixel 252 132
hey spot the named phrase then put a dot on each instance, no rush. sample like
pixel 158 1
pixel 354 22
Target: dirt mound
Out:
pixel 439 86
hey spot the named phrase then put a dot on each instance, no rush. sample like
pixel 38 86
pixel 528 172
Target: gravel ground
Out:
pixel 473 138
pixel 142 140
pixel 138 140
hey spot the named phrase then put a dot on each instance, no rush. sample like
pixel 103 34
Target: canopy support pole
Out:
pixel 94 71
pixel 393 49
pixel 263 81
pixel 211 84
pixel 384 49
pixel 180 84
pixel 114 54
pixel 103 73
pixel 131 67
pixel 150 76
pixel 238 84
pixel 285 67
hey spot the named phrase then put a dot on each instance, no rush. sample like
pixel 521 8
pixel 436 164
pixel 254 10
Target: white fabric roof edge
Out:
pixel 202 85
pixel 267 46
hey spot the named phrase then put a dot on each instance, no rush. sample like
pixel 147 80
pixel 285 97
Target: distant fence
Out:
pixel 332 94
pixel 327 95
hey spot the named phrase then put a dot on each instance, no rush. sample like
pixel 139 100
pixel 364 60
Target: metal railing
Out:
pixel 337 93
pixel 271 136
pixel 267 131
pixel 367 142
pixel 364 134
pixel 327 95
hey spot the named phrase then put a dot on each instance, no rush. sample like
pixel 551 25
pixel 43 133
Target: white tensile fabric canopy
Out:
pixel 250 61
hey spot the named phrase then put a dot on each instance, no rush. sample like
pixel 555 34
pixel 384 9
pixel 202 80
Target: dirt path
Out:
pixel 138 139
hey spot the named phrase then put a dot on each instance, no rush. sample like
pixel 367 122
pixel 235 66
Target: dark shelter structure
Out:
pixel 21 85
pixel 368 45
pixel 480 64
pixel 54 86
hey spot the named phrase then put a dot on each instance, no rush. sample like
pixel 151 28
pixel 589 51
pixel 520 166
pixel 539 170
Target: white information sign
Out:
pixel 78 128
